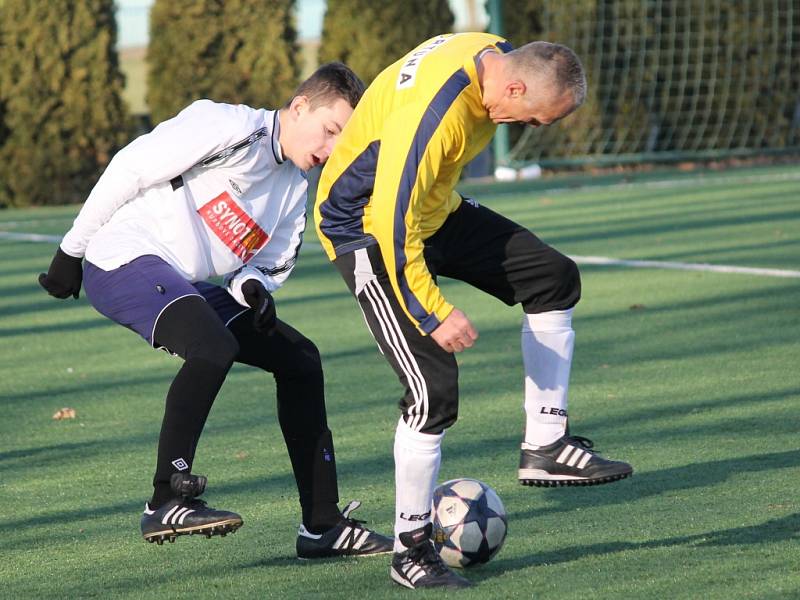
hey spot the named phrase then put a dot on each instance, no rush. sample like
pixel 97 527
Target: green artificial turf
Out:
pixel 693 377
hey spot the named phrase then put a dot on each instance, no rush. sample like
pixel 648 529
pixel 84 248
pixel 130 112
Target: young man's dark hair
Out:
pixel 331 81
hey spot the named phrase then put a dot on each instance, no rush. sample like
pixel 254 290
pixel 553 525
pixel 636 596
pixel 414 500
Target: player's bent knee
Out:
pixel 563 290
pixel 310 354
pixel 304 362
pixel 438 424
pixel 442 410
pixel 191 329
pixel 218 347
pixel 569 275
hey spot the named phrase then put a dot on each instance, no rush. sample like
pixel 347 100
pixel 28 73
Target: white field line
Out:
pixel 29 237
pixel 581 260
pixel 658 264
pixel 669 183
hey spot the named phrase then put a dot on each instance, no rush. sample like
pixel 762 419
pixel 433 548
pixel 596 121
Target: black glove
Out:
pixel 64 277
pixel 260 300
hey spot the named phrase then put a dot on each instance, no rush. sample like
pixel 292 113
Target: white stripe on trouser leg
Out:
pixel 397 342
pixel 391 338
pixel 390 335
pixel 366 322
pixel 416 466
pixel 364 276
pixel 420 409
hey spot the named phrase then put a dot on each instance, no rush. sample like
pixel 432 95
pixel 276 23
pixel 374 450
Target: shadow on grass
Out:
pixel 74 326
pixel 641 224
pixel 643 485
pixel 775 530
pixel 656 483
pixel 275 484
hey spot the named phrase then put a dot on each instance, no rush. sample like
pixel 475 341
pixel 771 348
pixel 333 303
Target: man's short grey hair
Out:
pixel 555 62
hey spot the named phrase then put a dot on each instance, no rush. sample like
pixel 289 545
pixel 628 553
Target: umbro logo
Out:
pixel 180 464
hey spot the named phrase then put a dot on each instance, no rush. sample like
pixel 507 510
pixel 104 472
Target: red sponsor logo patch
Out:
pixel 234 227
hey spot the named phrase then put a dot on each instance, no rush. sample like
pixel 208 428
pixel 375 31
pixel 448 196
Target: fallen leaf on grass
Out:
pixel 65 413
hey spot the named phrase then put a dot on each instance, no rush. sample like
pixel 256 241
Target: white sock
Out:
pixel 547 343
pixel 416 462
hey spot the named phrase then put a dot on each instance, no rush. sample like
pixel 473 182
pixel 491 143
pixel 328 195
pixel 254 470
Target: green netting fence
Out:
pixel 668 79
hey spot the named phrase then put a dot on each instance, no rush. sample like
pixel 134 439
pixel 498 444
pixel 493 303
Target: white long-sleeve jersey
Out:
pixel 207 191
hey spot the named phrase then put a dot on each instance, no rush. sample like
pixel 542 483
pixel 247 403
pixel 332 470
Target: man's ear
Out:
pixel 298 106
pixel 515 88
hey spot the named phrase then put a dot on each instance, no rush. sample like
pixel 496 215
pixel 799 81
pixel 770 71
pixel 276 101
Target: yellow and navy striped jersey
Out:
pixel 390 179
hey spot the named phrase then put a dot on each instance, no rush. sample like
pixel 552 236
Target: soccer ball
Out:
pixel 469 522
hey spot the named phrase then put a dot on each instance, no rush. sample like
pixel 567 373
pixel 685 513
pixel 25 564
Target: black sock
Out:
pixel 319 518
pixel 189 401
pixel 190 328
pixel 314 465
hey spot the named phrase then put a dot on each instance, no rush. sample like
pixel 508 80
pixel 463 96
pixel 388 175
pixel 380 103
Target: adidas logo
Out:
pixel 351 538
pixel 411 570
pixel 176 515
pixel 572 456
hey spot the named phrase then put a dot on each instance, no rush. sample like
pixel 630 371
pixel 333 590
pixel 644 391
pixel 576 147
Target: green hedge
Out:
pixel 236 51
pixel 368 35
pixel 60 93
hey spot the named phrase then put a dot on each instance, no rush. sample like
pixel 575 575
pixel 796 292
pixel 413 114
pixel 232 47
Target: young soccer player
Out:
pixel 389 218
pixel 219 190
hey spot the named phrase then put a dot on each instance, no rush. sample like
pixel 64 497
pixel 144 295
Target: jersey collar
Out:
pixel 276 134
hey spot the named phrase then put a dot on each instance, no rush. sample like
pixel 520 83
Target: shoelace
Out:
pixel 355 523
pixel 195 503
pixel 425 555
pixel 585 442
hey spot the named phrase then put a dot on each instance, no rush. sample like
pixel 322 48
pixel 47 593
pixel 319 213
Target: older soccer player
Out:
pixel 389 218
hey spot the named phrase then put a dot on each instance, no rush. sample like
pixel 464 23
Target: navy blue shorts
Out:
pixel 135 294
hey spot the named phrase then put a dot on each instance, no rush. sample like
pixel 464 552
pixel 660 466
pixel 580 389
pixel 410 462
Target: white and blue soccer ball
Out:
pixel 469 522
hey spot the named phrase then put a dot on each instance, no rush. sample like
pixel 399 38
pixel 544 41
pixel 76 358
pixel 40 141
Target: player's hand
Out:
pixel 64 277
pixel 455 333
pixel 260 300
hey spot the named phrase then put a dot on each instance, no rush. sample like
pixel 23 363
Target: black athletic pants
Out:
pixel 479 247
pixel 190 328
